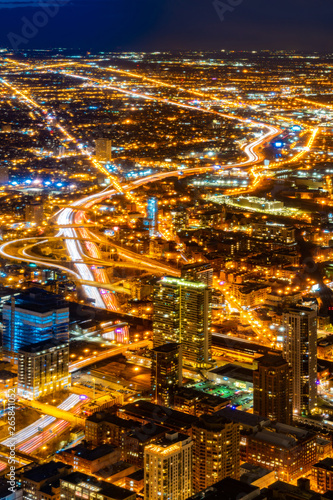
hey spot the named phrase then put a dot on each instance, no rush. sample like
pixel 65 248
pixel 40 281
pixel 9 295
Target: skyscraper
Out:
pixel 103 149
pixel 215 450
pixel 168 468
pixel 198 272
pixel 182 314
pixel 272 389
pixel 300 350
pixel 166 373
pixel 43 368
pixel 152 216
pixel 32 317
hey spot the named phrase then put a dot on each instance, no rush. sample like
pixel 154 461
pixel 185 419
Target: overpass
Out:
pixel 105 286
pixel 53 411
pixel 78 365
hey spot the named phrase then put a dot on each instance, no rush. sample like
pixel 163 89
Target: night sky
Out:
pixel 153 25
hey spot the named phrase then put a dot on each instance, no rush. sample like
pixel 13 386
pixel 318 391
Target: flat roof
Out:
pixel 100 487
pixel 242 417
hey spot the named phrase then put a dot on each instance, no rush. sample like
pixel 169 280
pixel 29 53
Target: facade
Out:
pixel 272 384
pixel 166 373
pixel 88 460
pixel 215 450
pixel 322 475
pixel 103 150
pixel 35 479
pixel 198 272
pixel 34 213
pixel 300 350
pixel 197 403
pixel 32 317
pixel 182 314
pixel 78 485
pixel 290 451
pixel 168 468
pixel 105 427
pixel 152 216
pixel 43 368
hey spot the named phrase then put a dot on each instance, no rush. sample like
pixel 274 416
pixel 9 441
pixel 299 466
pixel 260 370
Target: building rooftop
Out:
pixel 165 348
pixel 42 346
pixel 138 475
pixel 326 463
pixel 243 417
pixel 113 419
pixel 272 360
pixel 6 375
pixel 227 489
pixel 39 300
pixel 159 414
pixel 90 454
pixel 99 487
pixel 234 371
pixel 46 471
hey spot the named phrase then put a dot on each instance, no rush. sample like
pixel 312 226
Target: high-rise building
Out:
pixel 179 219
pixel 34 213
pixel 166 373
pixel 215 450
pixel 182 314
pixel 168 468
pixel 152 216
pixel 43 368
pixel 103 149
pixel 32 317
pixel 300 350
pixel 3 174
pixel 272 389
pixel 198 272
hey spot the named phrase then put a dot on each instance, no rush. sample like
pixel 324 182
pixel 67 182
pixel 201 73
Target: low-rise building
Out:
pixel 78 485
pixel 88 460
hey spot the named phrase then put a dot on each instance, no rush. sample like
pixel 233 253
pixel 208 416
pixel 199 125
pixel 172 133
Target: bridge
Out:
pixel 53 411
pixel 105 286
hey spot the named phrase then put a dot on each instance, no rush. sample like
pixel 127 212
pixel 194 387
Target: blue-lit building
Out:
pixel 152 216
pixel 32 317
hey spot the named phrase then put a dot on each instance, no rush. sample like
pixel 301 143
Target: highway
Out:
pixel 28 432
pixel 78 365
pixel 71 221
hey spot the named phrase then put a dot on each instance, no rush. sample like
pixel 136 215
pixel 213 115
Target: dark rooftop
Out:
pixel 42 346
pixel 39 300
pixel 272 360
pixel 46 471
pixel 242 417
pixel 90 454
pixel 159 414
pixel 227 489
pixel 165 348
pixel 113 419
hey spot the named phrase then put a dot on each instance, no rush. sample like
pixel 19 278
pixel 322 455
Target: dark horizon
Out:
pixel 169 25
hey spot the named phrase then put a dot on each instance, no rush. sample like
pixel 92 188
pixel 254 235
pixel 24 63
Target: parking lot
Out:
pixel 240 398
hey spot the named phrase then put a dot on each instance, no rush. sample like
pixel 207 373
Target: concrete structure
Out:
pixel 166 373
pixel 322 475
pixel 168 468
pixel 300 350
pixel 103 150
pixel 182 314
pixel 78 485
pixel 272 384
pixel 32 317
pixel 43 368
pixel 215 450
